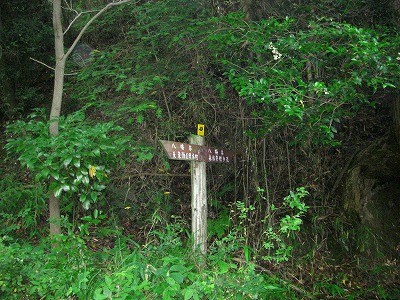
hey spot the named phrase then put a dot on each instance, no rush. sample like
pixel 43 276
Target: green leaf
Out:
pixel 223 267
pixel 120 86
pixel 190 293
pixel 77 163
pixel 85 179
pixel 96 151
pixel 122 163
pixel 178 268
pixel 93 196
pixel 67 161
pixel 144 156
pixel 57 192
pixel 86 205
pixel 177 276
pixel 55 175
pixel 66 188
pixel 385 85
pixel 272 287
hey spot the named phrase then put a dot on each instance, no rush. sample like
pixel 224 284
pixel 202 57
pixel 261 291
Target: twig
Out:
pixel 42 63
pixel 72 22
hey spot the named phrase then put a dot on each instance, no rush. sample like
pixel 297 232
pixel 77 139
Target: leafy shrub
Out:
pixel 275 235
pixel 78 160
pixel 306 79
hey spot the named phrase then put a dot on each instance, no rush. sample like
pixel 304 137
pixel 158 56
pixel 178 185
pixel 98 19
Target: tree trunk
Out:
pixel 61 57
pixel 54 202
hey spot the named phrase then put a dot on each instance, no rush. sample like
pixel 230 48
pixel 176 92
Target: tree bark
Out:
pixel 54 202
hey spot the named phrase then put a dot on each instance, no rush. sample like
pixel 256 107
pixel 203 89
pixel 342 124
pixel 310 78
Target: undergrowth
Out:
pixel 164 268
pixel 128 271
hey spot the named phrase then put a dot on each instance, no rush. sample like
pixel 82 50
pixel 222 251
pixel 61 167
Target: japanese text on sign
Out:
pixel 183 151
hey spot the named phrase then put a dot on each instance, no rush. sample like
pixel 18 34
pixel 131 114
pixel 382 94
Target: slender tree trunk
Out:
pixel 54 202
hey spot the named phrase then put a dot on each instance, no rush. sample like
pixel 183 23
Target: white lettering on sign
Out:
pixel 184 155
pixel 183 151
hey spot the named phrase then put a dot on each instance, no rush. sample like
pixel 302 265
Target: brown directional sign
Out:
pixel 191 152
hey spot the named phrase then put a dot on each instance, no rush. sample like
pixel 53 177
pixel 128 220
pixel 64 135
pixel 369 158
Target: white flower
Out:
pixel 275 53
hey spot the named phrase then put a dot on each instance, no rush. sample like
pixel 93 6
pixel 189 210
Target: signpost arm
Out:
pixel 199 200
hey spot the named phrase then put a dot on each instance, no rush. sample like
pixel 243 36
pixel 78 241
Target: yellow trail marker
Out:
pixel 200 129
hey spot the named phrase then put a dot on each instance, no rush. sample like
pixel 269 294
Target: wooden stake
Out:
pixel 199 200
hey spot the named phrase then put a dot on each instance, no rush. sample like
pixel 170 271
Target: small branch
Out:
pixel 42 63
pixel 72 22
pixel 77 17
pixel 90 22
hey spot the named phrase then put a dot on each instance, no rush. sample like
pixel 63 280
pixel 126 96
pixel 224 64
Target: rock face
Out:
pixel 372 192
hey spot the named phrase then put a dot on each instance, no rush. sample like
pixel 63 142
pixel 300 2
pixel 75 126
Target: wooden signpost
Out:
pixel 198 154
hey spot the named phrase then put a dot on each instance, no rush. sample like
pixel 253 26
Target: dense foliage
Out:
pixel 78 160
pixel 286 86
pixel 22 81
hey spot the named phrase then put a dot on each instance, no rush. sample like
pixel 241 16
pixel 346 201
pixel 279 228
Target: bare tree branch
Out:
pixel 78 15
pixel 51 68
pixel 42 63
pixel 109 5
pixel 73 21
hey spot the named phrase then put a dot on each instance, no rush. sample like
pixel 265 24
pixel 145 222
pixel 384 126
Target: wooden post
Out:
pixel 198 154
pixel 199 200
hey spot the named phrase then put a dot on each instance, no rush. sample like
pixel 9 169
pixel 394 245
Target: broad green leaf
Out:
pixel 223 267
pixel 77 163
pixel 96 151
pixel 57 192
pixel 86 205
pixel 93 196
pixel 67 161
